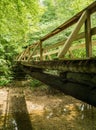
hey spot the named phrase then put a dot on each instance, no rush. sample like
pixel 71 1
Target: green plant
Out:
pixel 35 83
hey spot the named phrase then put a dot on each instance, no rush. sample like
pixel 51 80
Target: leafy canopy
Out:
pixel 24 21
pixel 17 19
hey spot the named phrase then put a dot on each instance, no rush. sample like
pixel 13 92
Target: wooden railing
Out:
pixel 38 52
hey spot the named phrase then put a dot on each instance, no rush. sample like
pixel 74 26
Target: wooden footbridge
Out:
pixel 55 65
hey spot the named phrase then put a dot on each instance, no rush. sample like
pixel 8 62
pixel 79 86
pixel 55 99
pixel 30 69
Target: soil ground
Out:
pixel 22 108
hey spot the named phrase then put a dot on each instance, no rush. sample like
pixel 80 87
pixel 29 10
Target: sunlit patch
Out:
pixel 35 108
pixel 3 100
pixel 71 111
pixel 3 106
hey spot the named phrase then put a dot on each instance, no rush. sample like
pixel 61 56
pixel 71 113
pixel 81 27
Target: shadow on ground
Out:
pixel 18 109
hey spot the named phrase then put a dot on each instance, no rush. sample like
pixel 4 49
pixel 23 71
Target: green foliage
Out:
pixel 22 22
pixel 5 60
pixel 4 81
pixel 35 83
pixel 17 19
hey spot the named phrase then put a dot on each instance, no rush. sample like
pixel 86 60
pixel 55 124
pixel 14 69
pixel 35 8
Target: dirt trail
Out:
pixel 24 109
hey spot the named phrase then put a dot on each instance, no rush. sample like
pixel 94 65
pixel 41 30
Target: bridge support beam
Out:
pixel 79 90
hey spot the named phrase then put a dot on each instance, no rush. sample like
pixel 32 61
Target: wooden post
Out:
pixel 88 36
pixel 41 51
pixel 72 35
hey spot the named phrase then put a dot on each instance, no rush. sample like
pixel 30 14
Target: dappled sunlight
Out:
pixel 24 109
pixel 71 111
pixel 58 112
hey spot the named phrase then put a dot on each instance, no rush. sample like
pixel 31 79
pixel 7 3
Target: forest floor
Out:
pixel 22 108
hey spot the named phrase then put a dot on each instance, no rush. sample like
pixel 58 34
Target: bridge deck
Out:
pixel 87 65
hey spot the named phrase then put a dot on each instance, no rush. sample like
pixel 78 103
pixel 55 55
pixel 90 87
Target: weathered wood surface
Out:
pixel 79 65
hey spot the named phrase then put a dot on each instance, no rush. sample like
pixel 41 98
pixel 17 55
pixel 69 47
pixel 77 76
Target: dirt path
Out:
pixel 24 109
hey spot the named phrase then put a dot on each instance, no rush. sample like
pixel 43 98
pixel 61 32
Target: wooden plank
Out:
pixel 88 41
pixel 72 36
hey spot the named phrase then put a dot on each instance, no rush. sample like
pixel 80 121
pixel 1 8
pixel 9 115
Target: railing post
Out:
pixel 88 40
pixel 41 51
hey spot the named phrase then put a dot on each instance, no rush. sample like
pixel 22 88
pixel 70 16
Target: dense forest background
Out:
pixel 22 22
